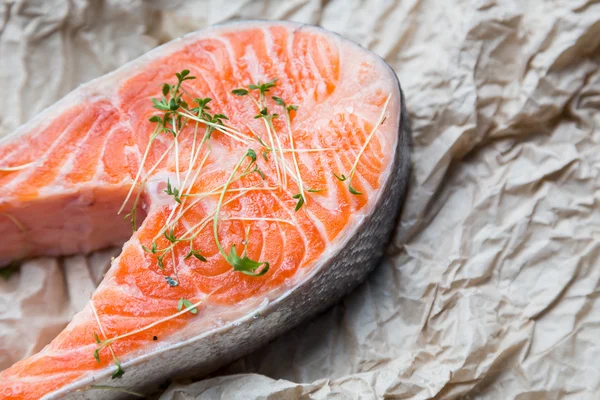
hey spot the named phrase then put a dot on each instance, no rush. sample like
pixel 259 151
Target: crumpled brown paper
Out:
pixel 491 289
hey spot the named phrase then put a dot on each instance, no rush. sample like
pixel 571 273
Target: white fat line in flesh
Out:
pixel 100 169
pixel 281 71
pixel 315 70
pixel 375 128
pixel 41 160
pixel 101 329
pixel 322 54
pixel 301 232
pixel 196 229
pixel 232 59
pixel 157 163
pixel 290 56
pixel 68 164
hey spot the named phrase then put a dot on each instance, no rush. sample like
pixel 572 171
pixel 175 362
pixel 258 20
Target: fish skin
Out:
pixel 325 285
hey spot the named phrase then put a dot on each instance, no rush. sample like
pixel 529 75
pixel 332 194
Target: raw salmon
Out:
pixel 263 165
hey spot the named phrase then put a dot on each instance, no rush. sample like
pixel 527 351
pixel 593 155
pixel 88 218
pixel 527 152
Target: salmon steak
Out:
pixel 252 172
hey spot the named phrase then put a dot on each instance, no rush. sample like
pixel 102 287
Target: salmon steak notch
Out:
pixel 253 173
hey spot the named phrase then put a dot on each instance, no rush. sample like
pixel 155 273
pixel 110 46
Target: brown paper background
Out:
pixel 491 289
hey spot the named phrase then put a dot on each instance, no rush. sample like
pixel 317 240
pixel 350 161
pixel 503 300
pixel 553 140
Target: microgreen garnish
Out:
pixel 246 265
pixel 183 303
pixel 314 190
pixel 160 262
pixel 240 92
pixel 119 372
pixel 300 202
pixel 263 87
pixel 340 177
pixel 195 254
pixel 150 250
pixel 353 191
pixel 170 235
pixel 173 191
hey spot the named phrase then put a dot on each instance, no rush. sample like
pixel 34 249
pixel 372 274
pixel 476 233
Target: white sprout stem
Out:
pixel 206 194
pixel 137 176
pixel 174 263
pixel 280 152
pixel 221 128
pixel 220 204
pixel 362 150
pixel 176 139
pixel 17 167
pixel 259 219
pixel 289 128
pixel 315 150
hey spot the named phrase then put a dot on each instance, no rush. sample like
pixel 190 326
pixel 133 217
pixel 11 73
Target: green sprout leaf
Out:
pixel 353 191
pixel 245 265
pixel 173 191
pixel 184 303
pixel 240 92
pixel 196 254
pixel 161 104
pixel 119 372
pixel 278 100
pixel 300 202
pixel 342 177
pixel 314 190
pixel 97 355
pixel 170 235
pixel 152 250
pixel 252 154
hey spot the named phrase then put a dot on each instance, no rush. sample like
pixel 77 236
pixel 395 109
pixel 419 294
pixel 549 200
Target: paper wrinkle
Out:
pixel 491 286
